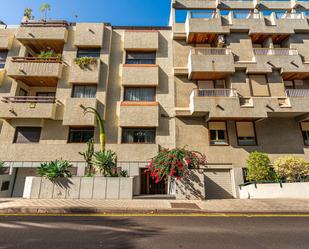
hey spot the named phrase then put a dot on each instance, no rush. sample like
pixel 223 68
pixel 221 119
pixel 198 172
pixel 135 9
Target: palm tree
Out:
pixel 28 13
pixel 100 122
pixel 44 8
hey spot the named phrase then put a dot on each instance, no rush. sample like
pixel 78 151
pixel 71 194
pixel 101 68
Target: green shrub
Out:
pixel 84 62
pixel 55 169
pixel 1 164
pixel 105 161
pixel 124 173
pixel 292 168
pixel 88 154
pixel 49 54
pixel 259 168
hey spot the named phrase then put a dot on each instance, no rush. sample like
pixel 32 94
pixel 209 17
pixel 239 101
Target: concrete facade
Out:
pixel 214 66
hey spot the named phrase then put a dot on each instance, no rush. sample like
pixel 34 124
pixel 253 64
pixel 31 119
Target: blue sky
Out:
pixel 117 12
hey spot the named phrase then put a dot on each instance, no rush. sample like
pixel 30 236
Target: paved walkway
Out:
pixel 153 206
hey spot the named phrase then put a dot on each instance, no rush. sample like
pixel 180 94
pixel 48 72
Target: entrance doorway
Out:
pixel 150 187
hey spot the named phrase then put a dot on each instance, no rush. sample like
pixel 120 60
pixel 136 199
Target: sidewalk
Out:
pixel 278 206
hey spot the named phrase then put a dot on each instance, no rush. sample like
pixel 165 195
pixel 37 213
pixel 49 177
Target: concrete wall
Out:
pixel 275 190
pixel 90 74
pixel 141 40
pixel 110 188
pixel 42 33
pixel 89 35
pixel 140 75
pixel 5 178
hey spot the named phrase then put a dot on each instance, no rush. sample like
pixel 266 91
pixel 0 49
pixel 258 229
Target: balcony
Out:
pixel 35 71
pixel 247 20
pixel 210 63
pixel 237 4
pixel 286 59
pixel 140 75
pixel 139 114
pixel 195 4
pixel 226 103
pixel 290 22
pixel 74 114
pixel 39 35
pixel 6 41
pixel 203 27
pixel 144 40
pixel 89 35
pixel 28 107
pixel 89 74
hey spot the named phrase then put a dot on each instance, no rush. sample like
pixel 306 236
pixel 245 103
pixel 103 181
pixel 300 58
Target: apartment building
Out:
pixel 225 78
pixel 241 83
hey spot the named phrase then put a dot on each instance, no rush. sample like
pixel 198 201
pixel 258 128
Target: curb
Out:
pixel 101 211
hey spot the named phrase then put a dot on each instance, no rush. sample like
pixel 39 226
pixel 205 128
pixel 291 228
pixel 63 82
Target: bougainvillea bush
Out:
pixel 174 163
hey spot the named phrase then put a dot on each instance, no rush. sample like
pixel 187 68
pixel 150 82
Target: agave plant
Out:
pixel 55 169
pixel 88 154
pixel 105 161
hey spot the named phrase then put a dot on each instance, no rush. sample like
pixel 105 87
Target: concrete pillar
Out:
pixel 81 170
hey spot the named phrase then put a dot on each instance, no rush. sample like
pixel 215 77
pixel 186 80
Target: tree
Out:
pixel 88 154
pixel 292 168
pixel 45 7
pixel 259 168
pixel 100 123
pixel 28 13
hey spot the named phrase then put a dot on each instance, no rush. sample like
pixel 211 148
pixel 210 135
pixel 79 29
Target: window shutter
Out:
pixel 245 129
pixel 305 126
pixel 259 85
pixel 217 126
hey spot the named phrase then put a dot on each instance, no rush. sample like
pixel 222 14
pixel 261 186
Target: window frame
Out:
pixel 79 128
pixel 3 61
pixel 141 52
pixel 254 130
pixel 302 134
pixel 226 133
pixel 17 129
pixel 133 87
pixel 84 85
pixel 136 129
pixel 85 49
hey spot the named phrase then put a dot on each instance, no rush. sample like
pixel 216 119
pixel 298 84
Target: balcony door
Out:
pixel 150 187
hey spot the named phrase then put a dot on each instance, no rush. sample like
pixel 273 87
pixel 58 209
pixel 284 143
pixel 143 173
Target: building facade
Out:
pixel 225 78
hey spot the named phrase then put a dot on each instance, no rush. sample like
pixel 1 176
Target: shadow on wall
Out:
pixel 192 186
pixel 105 232
pixel 163 47
pixel 215 191
pixel 164 125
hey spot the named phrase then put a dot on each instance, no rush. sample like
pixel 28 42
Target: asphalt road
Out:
pixel 154 232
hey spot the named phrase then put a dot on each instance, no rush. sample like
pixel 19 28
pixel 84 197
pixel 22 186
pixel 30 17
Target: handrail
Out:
pixel 36 59
pixel 45 24
pixel 275 51
pixel 297 92
pixel 216 92
pixel 29 99
pixel 211 51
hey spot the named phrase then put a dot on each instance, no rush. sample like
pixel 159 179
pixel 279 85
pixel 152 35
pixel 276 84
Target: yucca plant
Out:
pixel 88 154
pixel 55 169
pixel 105 161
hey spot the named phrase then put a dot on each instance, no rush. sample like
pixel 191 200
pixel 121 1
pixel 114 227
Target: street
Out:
pixel 154 232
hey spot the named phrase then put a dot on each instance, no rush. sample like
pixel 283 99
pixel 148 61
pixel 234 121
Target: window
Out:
pixel 139 135
pixel 84 91
pixel 245 133
pixel 217 133
pixel 3 55
pixel 80 135
pixel 305 131
pixel 141 58
pixel 27 135
pixel 46 94
pixel 139 94
pixel 5 186
pixel 92 52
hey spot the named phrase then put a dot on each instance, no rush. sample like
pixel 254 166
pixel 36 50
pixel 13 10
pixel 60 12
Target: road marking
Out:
pixel 161 215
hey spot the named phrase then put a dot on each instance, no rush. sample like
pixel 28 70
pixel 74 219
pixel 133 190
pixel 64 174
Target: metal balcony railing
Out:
pixel 211 51
pixel 297 92
pixel 218 92
pixel 37 59
pixel 29 99
pixel 275 51
pixel 280 15
pixel 49 23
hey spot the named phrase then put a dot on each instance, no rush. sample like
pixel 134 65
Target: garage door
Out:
pixel 218 184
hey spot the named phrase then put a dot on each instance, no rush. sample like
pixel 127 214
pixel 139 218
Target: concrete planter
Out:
pixel 275 190
pixel 106 188
pixel 4 181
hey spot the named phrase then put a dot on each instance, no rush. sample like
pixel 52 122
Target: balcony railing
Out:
pixel 216 92
pixel 280 15
pixel 37 59
pixel 275 51
pixel 211 51
pixel 45 24
pixel 245 15
pixel 297 92
pixel 203 15
pixel 29 99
